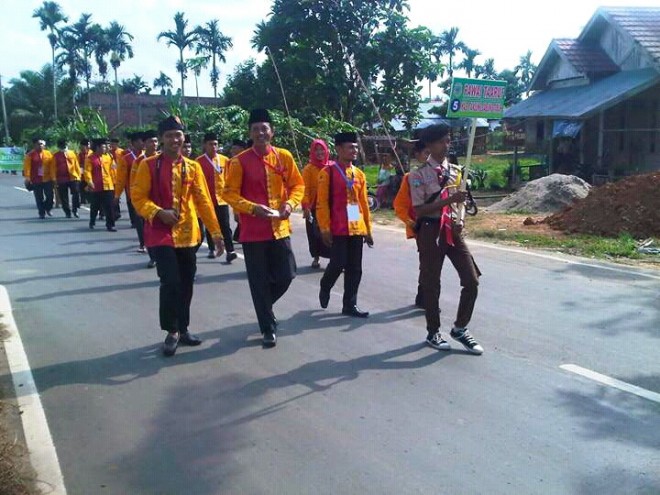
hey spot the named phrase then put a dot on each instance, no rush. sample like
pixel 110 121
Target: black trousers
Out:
pixel 43 196
pixel 132 214
pixel 271 266
pixel 102 201
pixel 222 214
pixel 176 269
pixel 316 247
pixel 346 256
pixel 64 188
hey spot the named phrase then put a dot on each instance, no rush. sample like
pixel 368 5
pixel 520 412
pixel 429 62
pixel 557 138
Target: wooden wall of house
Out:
pixel 623 50
pixel 563 75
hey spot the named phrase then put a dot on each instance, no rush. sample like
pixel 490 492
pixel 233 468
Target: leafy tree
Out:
pixel 468 64
pixel 196 65
pixel 436 68
pixel 164 82
pixel 182 39
pixel 213 43
pixel 525 70
pixel 514 88
pixel 86 35
pixel 135 85
pixel 50 15
pixel 120 47
pixel 487 70
pixel 450 46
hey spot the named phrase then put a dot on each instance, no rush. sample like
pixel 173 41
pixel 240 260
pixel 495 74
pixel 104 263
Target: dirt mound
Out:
pixel 545 195
pixel 630 205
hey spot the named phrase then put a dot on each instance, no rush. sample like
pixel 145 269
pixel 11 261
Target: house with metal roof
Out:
pixel 595 102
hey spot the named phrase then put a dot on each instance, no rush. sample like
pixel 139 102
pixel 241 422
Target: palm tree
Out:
pixel 196 65
pixel 50 15
pixel 135 85
pixel 87 37
pixel 487 70
pixel 120 47
pixel 163 81
pixel 436 67
pixel 69 56
pixel 468 63
pixel 212 42
pixel 526 69
pixel 182 39
pixel 450 45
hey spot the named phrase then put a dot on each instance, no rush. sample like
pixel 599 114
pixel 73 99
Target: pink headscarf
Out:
pixel 312 155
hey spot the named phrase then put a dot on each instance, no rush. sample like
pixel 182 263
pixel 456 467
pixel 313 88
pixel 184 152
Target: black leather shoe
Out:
pixel 324 298
pixel 355 312
pixel 170 344
pixel 270 340
pixel 211 255
pixel 151 264
pixel 91 226
pixel 189 339
pixel 75 214
pixel 231 256
pixel 48 213
pixel 111 229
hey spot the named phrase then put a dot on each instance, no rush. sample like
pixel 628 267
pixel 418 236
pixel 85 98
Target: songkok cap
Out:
pixel 149 134
pixel 99 141
pixel 434 133
pixel 37 138
pixel 61 143
pixel 345 137
pixel 239 142
pixel 84 142
pixel 186 138
pixel 114 140
pixel 210 136
pixel 249 143
pixel 259 115
pixel 171 123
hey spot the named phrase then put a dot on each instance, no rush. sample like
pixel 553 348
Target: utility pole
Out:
pixel 4 112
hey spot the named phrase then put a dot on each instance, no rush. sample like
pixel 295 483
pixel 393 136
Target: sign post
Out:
pixel 475 98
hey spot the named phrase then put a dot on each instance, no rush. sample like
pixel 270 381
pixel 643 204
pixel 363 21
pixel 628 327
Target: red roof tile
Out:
pixel 586 57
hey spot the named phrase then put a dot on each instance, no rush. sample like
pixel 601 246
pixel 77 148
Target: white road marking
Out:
pixel 21 189
pixel 41 448
pixel 612 382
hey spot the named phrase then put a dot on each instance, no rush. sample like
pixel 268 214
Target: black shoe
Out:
pixel 151 264
pixel 42 216
pixel 189 339
pixel 91 226
pixel 324 298
pixel 356 312
pixel 211 255
pixel 170 344
pixel 111 229
pixel 68 215
pixel 75 214
pixel 231 256
pixel 270 339
pixel 49 213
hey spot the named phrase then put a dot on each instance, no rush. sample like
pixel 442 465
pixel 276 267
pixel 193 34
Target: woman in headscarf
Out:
pixel 318 158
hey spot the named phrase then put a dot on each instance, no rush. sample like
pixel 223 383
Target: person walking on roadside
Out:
pixel 169 191
pixel 98 176
pixel 39 175
pixel 150 144
pixel 435 196
pixel 318 158
pixel 214 166
pixel 67 175
pixel 345 222
pixel 125 162
pixel 264 186
pixel 237 147
pixel 83 152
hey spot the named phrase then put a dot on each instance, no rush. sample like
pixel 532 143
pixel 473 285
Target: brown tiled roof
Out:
pixel 587 57
pixel 642 23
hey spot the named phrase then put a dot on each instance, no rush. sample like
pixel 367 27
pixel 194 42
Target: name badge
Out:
pixel 40 171
pixel 353 212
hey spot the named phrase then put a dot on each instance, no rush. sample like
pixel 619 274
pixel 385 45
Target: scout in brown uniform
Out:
pixel 434 191
pixel 344 219
pixel 169 191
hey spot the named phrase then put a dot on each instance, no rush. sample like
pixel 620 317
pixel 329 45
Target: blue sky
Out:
pixel 502 30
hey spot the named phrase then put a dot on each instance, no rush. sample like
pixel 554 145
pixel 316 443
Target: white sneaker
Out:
pixel 437 342
pixel 464 337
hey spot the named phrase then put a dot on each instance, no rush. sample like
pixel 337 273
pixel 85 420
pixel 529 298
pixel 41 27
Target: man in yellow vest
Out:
pixel 67 175
pixel 39 176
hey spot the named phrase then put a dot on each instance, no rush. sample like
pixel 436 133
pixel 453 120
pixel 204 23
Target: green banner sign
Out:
pixel 11 158
pixel 476 98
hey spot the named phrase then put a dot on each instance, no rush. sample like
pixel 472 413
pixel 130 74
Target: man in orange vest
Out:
pixel 67 174
pixel 168 192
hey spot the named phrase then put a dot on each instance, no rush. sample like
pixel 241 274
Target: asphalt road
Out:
pixel 340 406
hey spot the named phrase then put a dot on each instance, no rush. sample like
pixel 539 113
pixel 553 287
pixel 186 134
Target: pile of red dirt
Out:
pixel 630 205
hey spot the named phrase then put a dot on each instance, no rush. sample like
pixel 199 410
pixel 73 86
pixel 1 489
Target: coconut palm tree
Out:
pixel 120 47
pixel 468 63
pixel 70 57
pixel 450 46
pixel 163 81
pixel 87 35
pixel 526 70
pixel 212 42
pixel 487 70
pixel 50 15
pixel 182 39
pixel 196 65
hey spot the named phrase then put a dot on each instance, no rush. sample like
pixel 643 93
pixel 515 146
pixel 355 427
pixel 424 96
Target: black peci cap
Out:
pixel 259 115
pixel 346 137
pixel 171 123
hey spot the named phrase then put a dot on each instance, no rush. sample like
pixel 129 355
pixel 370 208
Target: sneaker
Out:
pixel 437 342
pixel 464 337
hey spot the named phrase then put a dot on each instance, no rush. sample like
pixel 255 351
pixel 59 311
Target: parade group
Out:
pixel 174 201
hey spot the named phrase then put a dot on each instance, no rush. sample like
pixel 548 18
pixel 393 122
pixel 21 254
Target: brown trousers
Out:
pixel 432 251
